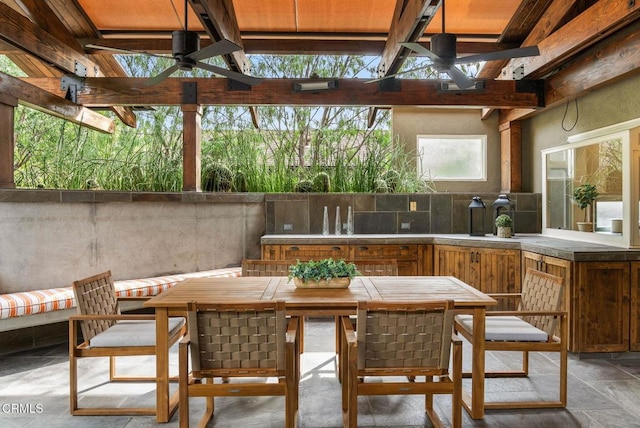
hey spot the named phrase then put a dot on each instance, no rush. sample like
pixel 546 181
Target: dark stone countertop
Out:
pixel 560 248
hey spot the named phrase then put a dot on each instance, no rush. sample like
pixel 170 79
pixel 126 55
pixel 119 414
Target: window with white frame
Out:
pixel 452 157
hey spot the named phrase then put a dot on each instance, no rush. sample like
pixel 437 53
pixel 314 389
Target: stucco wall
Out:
pixel 613 104
pixel 50 244
pixel 409 122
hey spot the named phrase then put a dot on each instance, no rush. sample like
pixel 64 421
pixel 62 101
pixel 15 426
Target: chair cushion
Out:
pixel 505 329
pixel 133 333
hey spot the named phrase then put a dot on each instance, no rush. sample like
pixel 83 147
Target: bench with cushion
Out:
pixel 39 307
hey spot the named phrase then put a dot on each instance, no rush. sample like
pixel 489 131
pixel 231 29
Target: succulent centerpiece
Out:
pixel 326 273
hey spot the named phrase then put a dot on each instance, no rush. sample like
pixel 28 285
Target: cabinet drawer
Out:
pixel 313 252
pixel 398 252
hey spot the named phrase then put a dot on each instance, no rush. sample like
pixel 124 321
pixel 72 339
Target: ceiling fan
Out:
pixel 187 54
pixel 444 57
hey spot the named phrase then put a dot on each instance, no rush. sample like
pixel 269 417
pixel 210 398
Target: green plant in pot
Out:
pixel 504 223
pixel 326 273
pixel 584 195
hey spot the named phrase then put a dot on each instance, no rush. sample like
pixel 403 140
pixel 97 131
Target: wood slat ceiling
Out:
pixel 288 18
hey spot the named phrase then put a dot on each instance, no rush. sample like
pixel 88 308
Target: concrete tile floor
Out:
pixel 602 393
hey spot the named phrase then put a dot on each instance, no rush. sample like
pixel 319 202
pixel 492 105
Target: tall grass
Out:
pixel 293 144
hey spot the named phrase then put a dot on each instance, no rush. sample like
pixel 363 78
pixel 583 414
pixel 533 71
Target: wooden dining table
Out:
pixel 329 302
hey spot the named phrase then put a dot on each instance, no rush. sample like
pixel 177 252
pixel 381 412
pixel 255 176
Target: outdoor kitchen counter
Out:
pixel 561 248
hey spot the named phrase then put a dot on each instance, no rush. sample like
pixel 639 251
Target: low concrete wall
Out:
pixel 50 238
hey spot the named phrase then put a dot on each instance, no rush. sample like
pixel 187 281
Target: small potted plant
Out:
pixel 504 223
pixel 584 195
pixel 327 273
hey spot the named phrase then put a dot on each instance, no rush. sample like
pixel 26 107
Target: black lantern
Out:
pixel 477 214
pixel 502 205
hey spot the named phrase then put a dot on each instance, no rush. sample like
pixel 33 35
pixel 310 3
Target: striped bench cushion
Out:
pixel 54 299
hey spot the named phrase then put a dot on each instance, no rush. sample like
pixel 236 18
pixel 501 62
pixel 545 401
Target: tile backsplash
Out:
pixel 438 213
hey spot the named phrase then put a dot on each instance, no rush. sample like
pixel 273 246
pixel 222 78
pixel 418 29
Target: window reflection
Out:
pixel 599 164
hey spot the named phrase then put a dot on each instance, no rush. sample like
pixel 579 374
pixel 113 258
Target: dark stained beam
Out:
pixel 7 143
pixel 46 102
pixel 410 18
pixel 511 157
pixel 191 151
pixel 45 17
pixel 21 32
pixel 533 21
pixel 279 46
pixel 594 24
pixel 106 91
pixel 616 58
pixel 220 22
pixel 49 29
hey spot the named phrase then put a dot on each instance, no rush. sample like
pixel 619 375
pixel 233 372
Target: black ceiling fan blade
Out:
pixel 419 49
pixel 160 77
pixel 400 73
pixel 498 55
pixel 233 75
pixel 459 78
pixel 121 51
pixel 221 47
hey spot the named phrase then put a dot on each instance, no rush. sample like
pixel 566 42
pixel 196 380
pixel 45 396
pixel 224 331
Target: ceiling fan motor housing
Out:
pixel 444 45
pixel 183 44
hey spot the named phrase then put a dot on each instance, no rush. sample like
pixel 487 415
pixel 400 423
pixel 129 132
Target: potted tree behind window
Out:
pixel 584 195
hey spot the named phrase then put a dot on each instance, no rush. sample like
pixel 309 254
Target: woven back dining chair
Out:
pixel 402 341
pixel 266 267
pixel 254 341
pixel 533 327
pixel 108 333
pixel 377 267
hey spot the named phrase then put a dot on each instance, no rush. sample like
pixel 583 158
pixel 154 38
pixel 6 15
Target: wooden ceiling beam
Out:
pixel 594 24
pixel 276 46
pixel 44 15
pixel 46 102
pixel 49 41
pixel 613 59
pixel 541 25
pixel 410 19
pixel 616 58
pixel 219 20
pixel 22 33
pixel 107 91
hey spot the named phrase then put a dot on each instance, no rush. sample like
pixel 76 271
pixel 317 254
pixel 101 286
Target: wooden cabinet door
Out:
pixel 601 307
pixel 425 260
pixel 313 252
pixel 449 260
pixel 500 270
pixel 634 327
pixel 405 255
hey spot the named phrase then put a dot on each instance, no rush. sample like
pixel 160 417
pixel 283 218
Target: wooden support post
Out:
pixel 511 157
pixel 7 141
pixel 191 132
